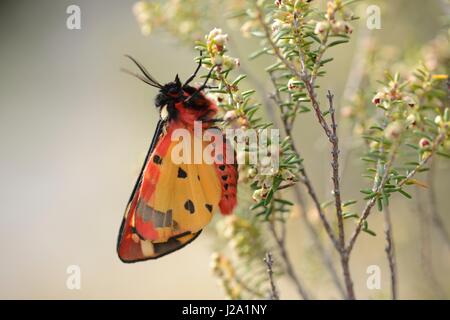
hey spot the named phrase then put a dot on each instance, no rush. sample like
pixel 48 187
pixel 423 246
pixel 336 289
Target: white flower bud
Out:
pixel 393 130
pixel 218 60
pixel 411 119
pixel 321 27
pixel 214 32
pixel 230 115
pixel 221 39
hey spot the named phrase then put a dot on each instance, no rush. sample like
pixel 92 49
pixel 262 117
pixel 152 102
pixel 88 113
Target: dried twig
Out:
pixel 370 203
pixel 334 140
pixel 390 251
pixel 280 240
pixel 300 201
pixel 273 290
pixel 331 133
pixel 247 288
pixel 387 168
pixel 308 81
pixel 318 244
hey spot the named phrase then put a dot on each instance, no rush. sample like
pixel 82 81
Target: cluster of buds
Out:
pixel 221 266
pixel 260 194
pixel 144 15
pixel 180 20
pixel 277 25
pixel 390 94
pixel 331 23
pixel 265 182
pixel 244 239
pixel 340 27
pixel 242 236
pixel 216 42
pixel 236 119
pixel 394 130
pixel 223 269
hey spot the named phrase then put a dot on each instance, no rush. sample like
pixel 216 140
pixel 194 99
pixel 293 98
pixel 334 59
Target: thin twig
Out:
pixel 244 286
pixel 318 244
pixel 384 179
pixel 425 245
pixel 335 165
pixel 308 81
pixel 390 251
pixel 287 261
pixel 334 140
pixel 436 218
pixel 354 80
pixel 370 204
pixel 276 97
pixel 276 50
pixel 303 76
pixel 273 290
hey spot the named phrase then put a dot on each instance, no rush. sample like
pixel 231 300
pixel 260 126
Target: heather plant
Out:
pixel 397 113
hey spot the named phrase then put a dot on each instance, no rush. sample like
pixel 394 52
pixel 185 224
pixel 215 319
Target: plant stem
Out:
pixel 370 203
pixel 390 250
pixel 288 126
pixel 309 85
pixel 247 288
pixel 334 140
pixel 436 218
pixel 287 261
pixel 273 290
pixel 327 259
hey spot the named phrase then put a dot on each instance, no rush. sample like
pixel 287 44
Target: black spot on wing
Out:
pixel 157 159
pixel 209 207
pixel 225 186
pixel 189 206
pixel 222 167
pixel 224 178
pixel 181 173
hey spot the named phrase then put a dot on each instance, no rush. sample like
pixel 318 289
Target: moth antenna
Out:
pixel 195 72
pixel 145 72
pixel 203 86
pixel 139 77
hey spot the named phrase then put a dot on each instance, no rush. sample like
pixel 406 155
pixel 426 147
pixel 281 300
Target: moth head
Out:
pixel 175 91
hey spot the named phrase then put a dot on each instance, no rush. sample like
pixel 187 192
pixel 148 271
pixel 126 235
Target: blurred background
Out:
pixel 74 131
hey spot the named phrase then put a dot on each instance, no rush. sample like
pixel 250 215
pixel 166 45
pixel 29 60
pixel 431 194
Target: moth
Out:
pixel 172 202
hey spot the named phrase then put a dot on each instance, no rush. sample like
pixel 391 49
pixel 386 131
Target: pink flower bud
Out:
pixel 377 98
pixel 230 115
pixel 424 143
